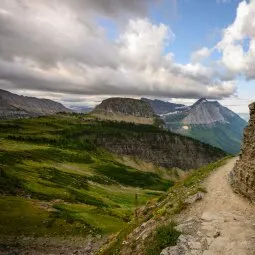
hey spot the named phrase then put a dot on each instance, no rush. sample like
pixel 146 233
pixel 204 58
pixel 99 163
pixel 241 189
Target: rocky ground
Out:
pixel 53 246
pixel 222 222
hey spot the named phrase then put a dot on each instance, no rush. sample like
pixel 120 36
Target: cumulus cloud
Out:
pixel 236 57
pixel 200 54
pixel 58 47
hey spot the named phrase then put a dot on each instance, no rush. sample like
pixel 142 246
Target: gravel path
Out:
pixel 222 223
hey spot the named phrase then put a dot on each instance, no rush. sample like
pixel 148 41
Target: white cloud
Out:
pixel 200 54
pixel 235 57
pixel 59 48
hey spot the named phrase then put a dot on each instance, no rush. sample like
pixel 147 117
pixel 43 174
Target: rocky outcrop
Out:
pixel 161 148
pixel 127 110
pixel 125 106
pixel 243 175
pixel 14 106
pixel 207 113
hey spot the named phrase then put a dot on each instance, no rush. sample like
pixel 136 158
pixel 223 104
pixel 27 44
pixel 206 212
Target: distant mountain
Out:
pixel 245 116
pixel 209 122
pixel 161 107
pixel 126 109
pixel 15 106
pixel 81 109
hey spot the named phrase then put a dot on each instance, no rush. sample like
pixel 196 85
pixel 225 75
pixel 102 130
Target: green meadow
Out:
pixel 54 181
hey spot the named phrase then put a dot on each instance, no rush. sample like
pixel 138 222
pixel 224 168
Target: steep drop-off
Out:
pixel 159 147
pixel 243 175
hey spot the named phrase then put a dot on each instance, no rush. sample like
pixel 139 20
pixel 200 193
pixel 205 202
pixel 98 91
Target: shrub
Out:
pixel 164 236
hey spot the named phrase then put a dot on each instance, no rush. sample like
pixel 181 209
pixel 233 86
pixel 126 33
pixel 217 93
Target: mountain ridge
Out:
pixel 162 107
pixel 16 106
pixel 209 122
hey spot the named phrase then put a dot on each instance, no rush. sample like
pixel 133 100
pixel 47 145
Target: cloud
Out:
pixel 58 47
pixel 200 54
pixel 236 57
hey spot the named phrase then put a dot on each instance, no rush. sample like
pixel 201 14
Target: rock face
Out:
pixel 15 106
pixel 161 148
pixel 127 110
pixel 125 106
pixel 205 112
pixel 243 175
pixel 209 122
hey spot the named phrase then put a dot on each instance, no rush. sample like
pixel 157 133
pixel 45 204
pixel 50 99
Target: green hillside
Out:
pixel 226 136
pixel 55 182
pixel 221 136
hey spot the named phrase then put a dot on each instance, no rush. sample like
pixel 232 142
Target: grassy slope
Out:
pixel 163 211
pixel 227 137
pixel 54 182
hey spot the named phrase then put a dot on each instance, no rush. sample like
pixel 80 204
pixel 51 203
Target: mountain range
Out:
pixel 206 121
pixel 15 106
pixel 69 175
pixel 162 107
pixel 209 122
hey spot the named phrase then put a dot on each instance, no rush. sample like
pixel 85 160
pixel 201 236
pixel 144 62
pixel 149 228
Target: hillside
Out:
pixel 211 123
pixel 76 180
pixel 125 109
pixel 14 106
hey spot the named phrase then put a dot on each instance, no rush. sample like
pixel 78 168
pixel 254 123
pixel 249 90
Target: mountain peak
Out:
pixel 125 109
pixel 126 106
pixel 200 101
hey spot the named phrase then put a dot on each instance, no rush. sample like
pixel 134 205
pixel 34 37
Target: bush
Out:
pixel 165 236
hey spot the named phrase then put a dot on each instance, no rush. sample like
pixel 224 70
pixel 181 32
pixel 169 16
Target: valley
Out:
pixel 66 177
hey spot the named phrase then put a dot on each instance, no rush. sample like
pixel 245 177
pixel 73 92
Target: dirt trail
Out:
pixel 224 222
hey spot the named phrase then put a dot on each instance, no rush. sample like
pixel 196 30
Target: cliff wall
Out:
pixel 162 148
pixel 243 175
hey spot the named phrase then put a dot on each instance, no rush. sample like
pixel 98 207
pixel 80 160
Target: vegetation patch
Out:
pixel 54 181
pixel 164 236
pixel 130 177
pixel 166 206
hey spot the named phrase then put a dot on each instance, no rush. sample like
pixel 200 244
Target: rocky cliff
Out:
pixel 243 175
pixel 15 106
pixel 159 147
pixel 126 106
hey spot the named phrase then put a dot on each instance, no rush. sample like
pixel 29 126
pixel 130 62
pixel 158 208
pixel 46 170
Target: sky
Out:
pixel 79 52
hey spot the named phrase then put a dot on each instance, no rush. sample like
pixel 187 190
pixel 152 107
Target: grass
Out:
pixel 166 207
pixel 19 216
pixel 165 235
pixel 54 181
